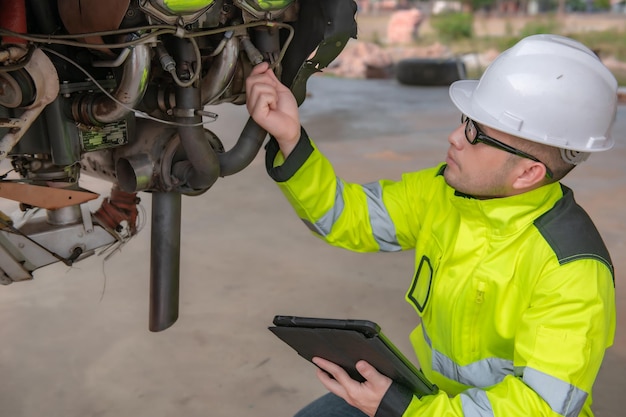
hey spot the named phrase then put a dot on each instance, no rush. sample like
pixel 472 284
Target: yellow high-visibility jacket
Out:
pixel 515 295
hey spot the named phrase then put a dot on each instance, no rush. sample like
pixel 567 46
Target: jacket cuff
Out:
pixel 294 161
pixel 395 402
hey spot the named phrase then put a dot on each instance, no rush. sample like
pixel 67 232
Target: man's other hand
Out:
pixel 366 396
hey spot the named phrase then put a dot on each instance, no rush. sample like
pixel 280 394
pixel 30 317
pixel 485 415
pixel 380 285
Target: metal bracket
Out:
pixel 86 215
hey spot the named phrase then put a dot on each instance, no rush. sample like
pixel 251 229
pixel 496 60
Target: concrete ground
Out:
pixel 74 342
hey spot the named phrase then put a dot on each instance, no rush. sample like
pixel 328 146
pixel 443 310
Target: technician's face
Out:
pixel 479 170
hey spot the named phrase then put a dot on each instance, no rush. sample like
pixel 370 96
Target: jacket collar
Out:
pixel 506 215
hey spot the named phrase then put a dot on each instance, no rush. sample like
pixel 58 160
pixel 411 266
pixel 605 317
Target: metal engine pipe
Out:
pixel 165 260
pixel 221 73
pixel 206 164
pixel 100 109
pixel 202 167
pixel 252 136
pixel 145 164
pixel 244 151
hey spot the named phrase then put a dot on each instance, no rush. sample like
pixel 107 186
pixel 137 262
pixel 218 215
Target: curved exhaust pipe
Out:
pixel 222 70
pixel 201 169
pixel 100 109
pixel 244 151
pixel 213 86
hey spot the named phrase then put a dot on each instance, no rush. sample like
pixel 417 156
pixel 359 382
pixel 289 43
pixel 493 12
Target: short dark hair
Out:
pixel 549 155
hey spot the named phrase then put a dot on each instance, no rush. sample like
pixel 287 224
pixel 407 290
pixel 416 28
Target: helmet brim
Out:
pixel 461 95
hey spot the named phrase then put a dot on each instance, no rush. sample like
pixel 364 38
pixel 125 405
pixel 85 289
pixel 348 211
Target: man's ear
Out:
pixel 530 174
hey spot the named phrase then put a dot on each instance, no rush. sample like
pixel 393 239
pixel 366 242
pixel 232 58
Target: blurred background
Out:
pixel 475 31
pixel 74 341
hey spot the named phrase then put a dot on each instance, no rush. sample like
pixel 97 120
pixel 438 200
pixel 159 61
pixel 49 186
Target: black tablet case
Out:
pixel 345 342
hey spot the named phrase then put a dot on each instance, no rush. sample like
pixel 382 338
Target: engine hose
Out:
pixel 252 136
pixel 329 39
pixel 244 151
pixel 203 167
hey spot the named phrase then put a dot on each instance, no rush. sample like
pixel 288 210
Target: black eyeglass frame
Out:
pixel 488 140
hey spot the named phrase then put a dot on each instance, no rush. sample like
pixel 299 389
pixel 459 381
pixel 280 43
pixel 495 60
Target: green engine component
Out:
pixel 186 6
pixel 269 5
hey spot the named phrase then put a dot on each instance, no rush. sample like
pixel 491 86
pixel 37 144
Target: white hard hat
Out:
pixel 548 89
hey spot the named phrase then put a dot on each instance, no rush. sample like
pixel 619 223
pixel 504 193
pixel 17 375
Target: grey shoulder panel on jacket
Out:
pixel 571 234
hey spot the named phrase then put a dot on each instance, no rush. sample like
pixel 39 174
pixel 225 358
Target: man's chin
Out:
pixel 455 184
pixel 450 179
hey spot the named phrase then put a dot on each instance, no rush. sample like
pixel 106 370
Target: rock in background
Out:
pixel 403 26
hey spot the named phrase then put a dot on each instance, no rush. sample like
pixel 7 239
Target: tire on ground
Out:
pixel 429 72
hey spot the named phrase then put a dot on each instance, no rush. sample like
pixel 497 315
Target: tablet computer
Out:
pixel 345 342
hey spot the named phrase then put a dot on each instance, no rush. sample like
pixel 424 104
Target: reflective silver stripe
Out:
pixel 383 228
pixel 564 399
pixel 483 373
pixel 475 403
pixel 324 225
pixel 430 344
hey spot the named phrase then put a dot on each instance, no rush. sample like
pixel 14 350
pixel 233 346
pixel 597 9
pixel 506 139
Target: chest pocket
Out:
pixel 427 263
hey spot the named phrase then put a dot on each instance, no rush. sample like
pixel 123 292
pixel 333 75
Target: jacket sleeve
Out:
pixel 559 346
pixel 357 217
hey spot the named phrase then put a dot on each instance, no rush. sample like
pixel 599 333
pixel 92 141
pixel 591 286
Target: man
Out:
pixel 513 284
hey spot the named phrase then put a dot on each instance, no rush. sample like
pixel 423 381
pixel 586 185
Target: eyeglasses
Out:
pixel 473 134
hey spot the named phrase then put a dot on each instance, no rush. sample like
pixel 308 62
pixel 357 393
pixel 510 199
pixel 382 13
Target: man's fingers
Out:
pixel 261 97
pixel 371 374
pixel 260 68
pixel 263 72
pixel 335 370
pixel 330 383
pixel 326 365
pixel 367 371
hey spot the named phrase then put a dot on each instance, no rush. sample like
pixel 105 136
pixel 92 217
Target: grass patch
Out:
pixel 605 43
pixel 453 26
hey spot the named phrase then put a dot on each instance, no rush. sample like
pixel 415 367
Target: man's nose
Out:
pixel 457 137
